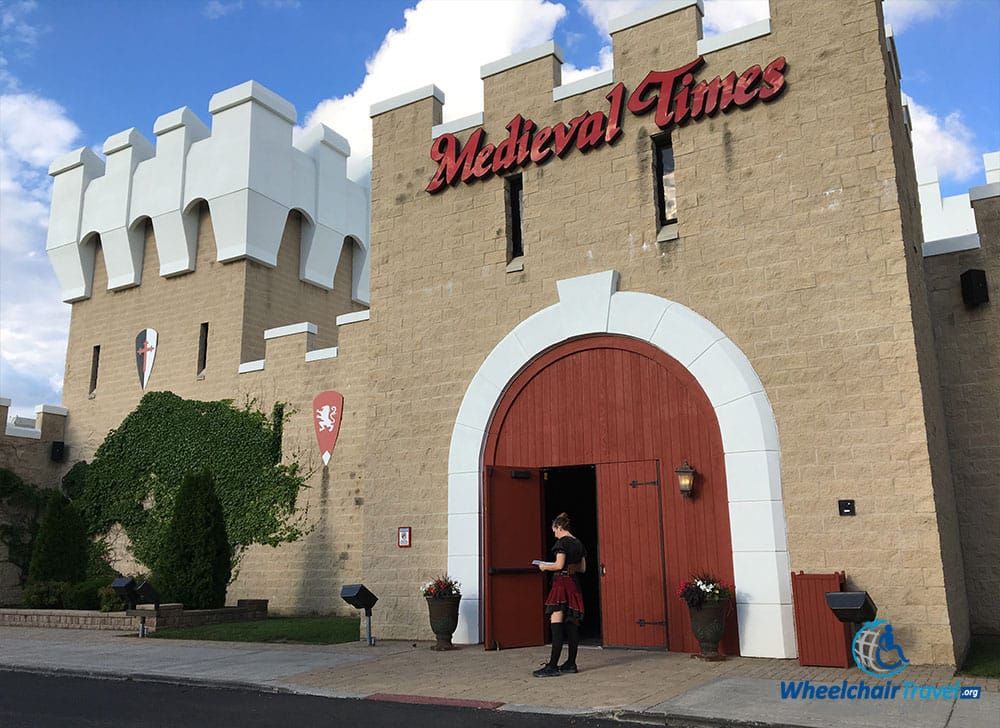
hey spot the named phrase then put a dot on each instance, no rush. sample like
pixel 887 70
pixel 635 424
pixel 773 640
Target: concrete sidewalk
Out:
pixel 651 687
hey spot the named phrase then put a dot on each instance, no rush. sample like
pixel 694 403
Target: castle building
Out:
pixel 709 256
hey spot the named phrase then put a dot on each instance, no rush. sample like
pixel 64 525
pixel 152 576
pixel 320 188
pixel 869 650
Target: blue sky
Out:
pixel 72 73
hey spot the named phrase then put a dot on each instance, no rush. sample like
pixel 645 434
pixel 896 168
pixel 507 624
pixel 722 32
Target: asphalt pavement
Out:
pixel 659 688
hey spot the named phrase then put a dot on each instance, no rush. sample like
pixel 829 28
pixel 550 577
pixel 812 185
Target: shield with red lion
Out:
pixel 328 408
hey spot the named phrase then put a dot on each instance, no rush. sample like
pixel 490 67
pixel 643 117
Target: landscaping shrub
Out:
pixel 195 566
pixel 109 599
pixel 85 595
pixel 21 509
pixel 45 594
pixel 61 547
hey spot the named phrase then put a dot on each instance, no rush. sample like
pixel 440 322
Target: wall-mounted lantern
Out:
pixel 685 479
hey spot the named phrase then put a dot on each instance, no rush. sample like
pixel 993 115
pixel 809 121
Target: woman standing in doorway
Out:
pixel 564 605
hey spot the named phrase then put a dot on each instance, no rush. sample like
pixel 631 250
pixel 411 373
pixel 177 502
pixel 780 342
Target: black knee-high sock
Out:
pixel 572 641
pixel 557 643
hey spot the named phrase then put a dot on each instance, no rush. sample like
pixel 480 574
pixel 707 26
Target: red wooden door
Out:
pixel 633 586
pixel 515 590
pixel 611 399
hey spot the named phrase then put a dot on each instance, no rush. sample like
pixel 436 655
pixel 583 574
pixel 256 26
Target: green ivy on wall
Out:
pixel 136 473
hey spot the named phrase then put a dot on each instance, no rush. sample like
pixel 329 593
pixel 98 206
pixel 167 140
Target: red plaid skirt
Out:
pixel 565 597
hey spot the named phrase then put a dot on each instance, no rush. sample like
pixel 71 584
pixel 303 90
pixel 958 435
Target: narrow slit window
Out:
pixel 203 348
pixel 666 190
pixel 514 198
pixel 95 363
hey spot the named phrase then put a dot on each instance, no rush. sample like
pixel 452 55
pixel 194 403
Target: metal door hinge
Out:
pixel 636 483
pixel 644 622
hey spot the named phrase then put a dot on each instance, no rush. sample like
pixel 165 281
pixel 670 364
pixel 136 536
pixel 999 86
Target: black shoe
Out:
pixel 547 671
pixel 566 667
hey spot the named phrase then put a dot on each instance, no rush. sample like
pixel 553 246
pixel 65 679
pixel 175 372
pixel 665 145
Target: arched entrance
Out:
pixel 628 414
pixel 592 305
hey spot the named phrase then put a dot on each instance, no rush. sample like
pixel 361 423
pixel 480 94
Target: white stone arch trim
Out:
pixel 592 304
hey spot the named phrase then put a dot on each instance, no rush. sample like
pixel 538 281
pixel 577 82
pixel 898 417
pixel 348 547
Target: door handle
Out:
pixel 603 570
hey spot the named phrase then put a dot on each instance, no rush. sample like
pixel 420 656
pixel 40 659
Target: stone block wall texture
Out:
pixel 969 356
pixel 794 222
pixel 798 238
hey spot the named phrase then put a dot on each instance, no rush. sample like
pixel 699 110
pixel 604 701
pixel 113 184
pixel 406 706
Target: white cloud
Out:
pixel 33 323
pixel 15 30
pixel 215 9
pixel 720 15
pixel 601 12
pixel 605 60
pixel 423 52
pixel 901 14
pixel 946 143
pixel 724 15
pixel 18 36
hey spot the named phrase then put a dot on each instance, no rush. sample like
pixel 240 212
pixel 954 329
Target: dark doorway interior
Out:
pixel 573 489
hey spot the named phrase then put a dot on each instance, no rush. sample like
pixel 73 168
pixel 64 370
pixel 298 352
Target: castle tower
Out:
pixel 209 238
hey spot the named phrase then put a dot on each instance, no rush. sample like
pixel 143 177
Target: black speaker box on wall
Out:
pixel 58 453
pixel 974 291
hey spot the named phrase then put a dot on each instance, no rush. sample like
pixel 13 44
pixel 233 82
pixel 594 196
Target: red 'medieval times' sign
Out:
pixel 328 408
pixel 673 95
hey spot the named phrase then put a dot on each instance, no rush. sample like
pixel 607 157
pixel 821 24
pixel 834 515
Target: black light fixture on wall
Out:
pixel 685 479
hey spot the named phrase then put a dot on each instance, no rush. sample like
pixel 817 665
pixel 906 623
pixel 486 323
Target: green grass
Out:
pixel 983 659
pixel 308 630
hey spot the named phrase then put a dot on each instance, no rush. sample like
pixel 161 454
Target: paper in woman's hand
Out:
pixel 537 562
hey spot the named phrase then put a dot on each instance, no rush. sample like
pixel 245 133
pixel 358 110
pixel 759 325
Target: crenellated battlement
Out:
pixel 949 223
pixel 686 14
pixel 248 170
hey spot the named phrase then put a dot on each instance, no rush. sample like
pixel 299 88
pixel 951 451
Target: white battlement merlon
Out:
pixel 72 262
pixel 159 191
pixel 248 172
pixel 106 208
pixel 949 223
pixel 991 162
pixel 323 236
pixel 244 170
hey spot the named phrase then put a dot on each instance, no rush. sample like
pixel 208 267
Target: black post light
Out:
pixel 360 598
pixel 148 595
pixel 125 589
pixel 855 607
pixel 133 594
pixel 685 479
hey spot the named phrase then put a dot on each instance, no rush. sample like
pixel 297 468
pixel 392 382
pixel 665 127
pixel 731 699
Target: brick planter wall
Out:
pixel 168 615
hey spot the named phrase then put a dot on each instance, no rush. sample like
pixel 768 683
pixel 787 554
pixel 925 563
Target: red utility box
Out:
pixel 824 641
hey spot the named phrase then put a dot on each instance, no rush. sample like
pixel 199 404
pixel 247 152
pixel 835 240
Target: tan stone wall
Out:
pixel 31 459
pixel 791 242
pixel 275 297
pixel 240 300
pixel 945 580
pixel 306 576
pixel 176 308
pixel 969 356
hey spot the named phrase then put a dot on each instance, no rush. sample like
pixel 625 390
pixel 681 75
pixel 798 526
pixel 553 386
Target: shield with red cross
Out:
pixel 145 350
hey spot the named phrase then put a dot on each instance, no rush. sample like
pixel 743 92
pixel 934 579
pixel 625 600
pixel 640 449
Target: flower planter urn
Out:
pixel 443 613
pixel 709 626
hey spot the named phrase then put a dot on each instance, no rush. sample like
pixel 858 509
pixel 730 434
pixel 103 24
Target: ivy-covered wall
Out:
pixel 135 474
